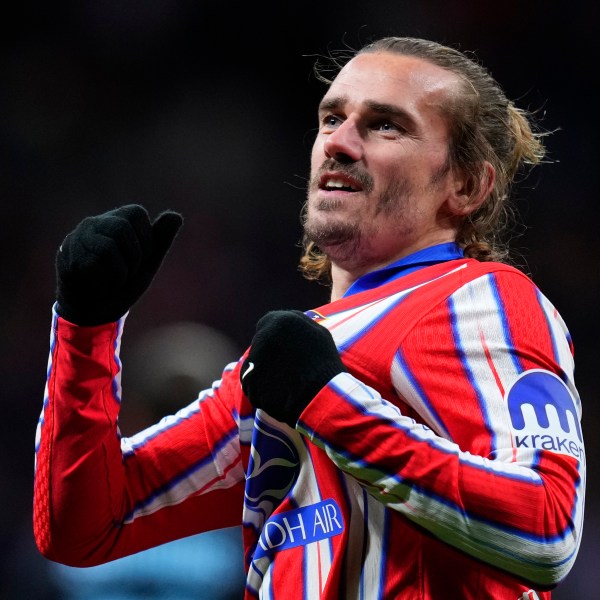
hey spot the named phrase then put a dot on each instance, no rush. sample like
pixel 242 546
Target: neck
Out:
pixel 341 281
pixel 343 276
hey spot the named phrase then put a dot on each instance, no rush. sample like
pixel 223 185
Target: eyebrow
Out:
pixel 380 108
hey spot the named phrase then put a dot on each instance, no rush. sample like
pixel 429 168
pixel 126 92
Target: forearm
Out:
pixel 98 497
pixel 524 520
pixel 77 443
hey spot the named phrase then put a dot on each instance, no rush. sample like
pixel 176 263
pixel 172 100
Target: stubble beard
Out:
pixel 332 232
pixel 345 237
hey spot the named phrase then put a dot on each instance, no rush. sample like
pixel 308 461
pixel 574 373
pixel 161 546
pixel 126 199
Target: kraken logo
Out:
pixel 543 414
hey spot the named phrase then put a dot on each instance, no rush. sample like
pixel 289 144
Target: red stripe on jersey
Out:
pixel 433 358
pixel 490 495
pixel 490 362
pixel 527 326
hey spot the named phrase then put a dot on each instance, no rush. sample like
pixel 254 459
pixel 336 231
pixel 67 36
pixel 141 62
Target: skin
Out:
pixel 383 136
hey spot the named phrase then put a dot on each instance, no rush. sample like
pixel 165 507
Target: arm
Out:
pixel 471 477
pixel 523 519
pixel 97 497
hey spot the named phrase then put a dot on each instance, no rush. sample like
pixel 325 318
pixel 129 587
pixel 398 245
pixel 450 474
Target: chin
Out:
pixel 327 232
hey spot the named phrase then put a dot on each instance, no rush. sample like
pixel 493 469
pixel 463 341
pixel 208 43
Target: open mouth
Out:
pixel 334 183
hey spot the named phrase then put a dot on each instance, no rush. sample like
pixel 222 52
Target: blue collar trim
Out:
pixel 413 262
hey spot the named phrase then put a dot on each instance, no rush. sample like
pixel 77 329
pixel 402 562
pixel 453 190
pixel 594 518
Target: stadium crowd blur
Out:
pixel 209 111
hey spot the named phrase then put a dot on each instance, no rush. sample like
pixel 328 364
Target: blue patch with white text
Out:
pixel 543 414
pixel 299 527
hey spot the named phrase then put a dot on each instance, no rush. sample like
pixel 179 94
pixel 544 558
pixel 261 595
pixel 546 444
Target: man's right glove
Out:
pixel 108 261
pixel 291 358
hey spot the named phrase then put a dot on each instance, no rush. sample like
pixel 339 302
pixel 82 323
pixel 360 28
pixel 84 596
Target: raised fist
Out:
pixel 108 261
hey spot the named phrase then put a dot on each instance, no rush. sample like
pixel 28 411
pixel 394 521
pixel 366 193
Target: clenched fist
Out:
pixel 108 261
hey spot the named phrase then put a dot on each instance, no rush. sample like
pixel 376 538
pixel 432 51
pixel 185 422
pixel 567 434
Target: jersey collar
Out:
pixel 413 262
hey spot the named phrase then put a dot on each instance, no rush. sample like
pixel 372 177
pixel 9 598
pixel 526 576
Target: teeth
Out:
pixel 336 183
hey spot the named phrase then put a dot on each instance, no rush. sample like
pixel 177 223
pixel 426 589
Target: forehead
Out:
pixel 394 79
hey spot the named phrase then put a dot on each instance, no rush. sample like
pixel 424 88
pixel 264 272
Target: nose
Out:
pixel 345 143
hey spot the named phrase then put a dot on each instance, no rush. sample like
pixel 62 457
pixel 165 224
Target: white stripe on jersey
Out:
pixel 373 404
pixel 130 444
pixel 223 457
pixel 494 544
pixel 489 543
pixel 479 327
pixel 192 482
pixel 560 335
pixel 371 580
pixel 317 555
pixel 345 326
pixel 357 533
pixel 405 385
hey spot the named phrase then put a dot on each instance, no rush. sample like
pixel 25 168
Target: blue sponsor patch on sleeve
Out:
pixel 543 414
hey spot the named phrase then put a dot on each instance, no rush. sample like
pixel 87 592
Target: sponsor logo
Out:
pixel 315 316
pixel 299 527
pixel 543 414
pixel 272 470
pixel 248 370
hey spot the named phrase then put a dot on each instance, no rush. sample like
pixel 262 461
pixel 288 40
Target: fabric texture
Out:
pixel 447 462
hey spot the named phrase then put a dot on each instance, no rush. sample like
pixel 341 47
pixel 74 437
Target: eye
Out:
pixel 387 126
pixel 330 121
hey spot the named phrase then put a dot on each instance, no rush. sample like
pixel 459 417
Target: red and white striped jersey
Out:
pixel 447 463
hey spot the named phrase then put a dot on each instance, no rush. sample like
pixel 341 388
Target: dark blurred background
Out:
pixel 209 109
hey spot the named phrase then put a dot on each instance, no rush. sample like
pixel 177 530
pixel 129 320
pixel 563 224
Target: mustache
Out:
pixel 350 169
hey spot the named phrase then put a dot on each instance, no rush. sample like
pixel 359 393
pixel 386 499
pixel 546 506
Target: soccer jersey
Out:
pixel 448 462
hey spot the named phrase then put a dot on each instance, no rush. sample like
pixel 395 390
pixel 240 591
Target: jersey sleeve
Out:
pixel 493 462
pixel 98 496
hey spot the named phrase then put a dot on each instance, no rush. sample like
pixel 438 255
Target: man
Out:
pixel 417 437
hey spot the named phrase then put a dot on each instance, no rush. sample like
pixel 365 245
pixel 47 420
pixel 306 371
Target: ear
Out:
pixel 471 190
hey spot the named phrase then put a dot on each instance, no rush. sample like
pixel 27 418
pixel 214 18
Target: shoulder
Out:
pixel 501 278
pixel 498 269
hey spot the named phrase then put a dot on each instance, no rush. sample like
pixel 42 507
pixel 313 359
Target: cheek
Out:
pixel 316 161
pixel 316 155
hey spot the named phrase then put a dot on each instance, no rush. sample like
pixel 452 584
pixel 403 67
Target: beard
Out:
pixel 339 238
pixel 348 233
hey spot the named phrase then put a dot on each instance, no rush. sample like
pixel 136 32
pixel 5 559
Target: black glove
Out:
pixel 291 358
pixel 107 262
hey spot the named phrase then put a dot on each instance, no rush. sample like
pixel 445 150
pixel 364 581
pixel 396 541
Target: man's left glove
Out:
pixel 291 358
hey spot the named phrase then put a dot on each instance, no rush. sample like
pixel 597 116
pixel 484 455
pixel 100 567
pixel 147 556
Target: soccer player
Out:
pixel 417 437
